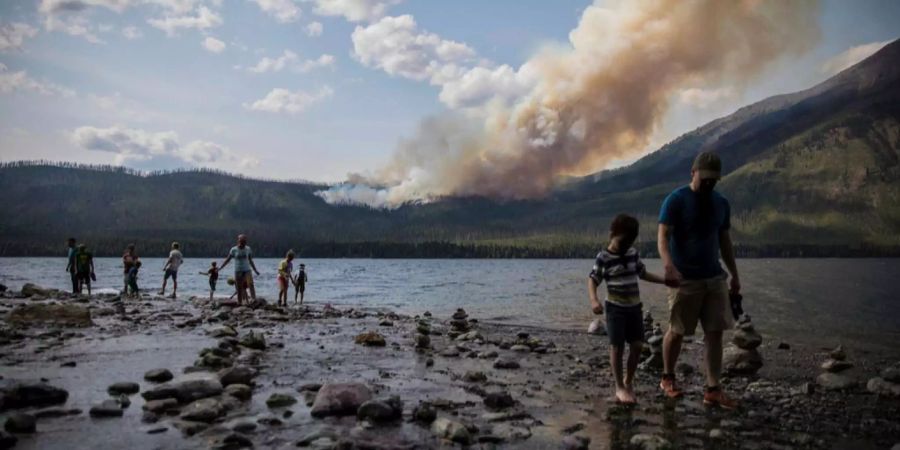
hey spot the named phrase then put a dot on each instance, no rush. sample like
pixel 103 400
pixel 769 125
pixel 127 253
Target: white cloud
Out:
pixel 213 45
pixel 20 81
pixel 71 16
pixel 132 33
pixel 396 46
pixel 280 100
pixel 312 64
pixel 13 34
pixel 284 11
pixel 850 57
pixel 135 145
pixel 478 85
pixel 314 29
pixel 205 19
pixel 76 25
pixel 77 6
pixel 274 65
pixel 354 10
pixel 705 98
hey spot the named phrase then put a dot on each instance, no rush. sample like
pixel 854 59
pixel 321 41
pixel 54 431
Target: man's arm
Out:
pixel 727 249
pixel 227 260
pixel 662 245
pixel 596 306
pixel 250 258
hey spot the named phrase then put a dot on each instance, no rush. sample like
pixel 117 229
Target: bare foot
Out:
pixel 624 397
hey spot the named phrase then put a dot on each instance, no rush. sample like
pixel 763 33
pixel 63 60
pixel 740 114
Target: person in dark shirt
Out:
pixel 694 224
pixel 300 283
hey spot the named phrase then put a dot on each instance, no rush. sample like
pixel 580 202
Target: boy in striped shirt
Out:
pixel 620 266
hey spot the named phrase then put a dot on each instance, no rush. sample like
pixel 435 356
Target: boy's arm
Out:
pixel 653 278
pixel 596 306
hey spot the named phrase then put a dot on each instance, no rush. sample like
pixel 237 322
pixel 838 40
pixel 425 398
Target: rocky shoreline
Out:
pixel 82 371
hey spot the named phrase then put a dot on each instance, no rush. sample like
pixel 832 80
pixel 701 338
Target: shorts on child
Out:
pixel 624 323
pixel 173 274
pixel 282 283
pixel 212 285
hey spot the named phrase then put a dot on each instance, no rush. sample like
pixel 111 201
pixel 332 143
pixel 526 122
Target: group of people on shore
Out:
pixel 81 267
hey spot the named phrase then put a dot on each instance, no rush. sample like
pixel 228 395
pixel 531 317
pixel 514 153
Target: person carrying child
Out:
pixel 285 270
pixel 300 283
pixel 620 266
pixel 213 274
pixel 132 286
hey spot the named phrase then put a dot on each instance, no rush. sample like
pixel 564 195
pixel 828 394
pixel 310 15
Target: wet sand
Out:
pixel 561 389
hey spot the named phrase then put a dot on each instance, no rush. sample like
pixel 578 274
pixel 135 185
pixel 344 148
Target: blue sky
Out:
pixel 175 83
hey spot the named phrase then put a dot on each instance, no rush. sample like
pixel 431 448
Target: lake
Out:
pixel 814 301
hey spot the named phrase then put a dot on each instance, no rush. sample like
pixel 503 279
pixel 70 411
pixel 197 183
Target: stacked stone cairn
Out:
pixel 459 324
pixel 423 332
pixel 742 356
pixel 832 379
pixel 654 337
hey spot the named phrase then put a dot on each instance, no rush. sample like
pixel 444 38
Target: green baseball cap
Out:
pixel 708 164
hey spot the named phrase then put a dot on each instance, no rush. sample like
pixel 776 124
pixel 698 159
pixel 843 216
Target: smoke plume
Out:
pixel 571 110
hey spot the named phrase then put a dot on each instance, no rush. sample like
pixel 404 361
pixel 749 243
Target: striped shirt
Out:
pixel 621 274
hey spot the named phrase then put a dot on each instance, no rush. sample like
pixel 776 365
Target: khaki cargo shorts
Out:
pixel 704 300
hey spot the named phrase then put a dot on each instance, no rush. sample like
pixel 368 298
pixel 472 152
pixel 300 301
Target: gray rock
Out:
pixel 253 340
pixel 450 352
pixel 379 411
pixel 186 390
pixel 243 426
pixel 310 387
pixel 189 427
pixel 835 366
pixel 834 382
pixel 520 348
pixel 222 331
pixel 741 361
pixel 20 423
pixel 511 432
pixel 340 399
pixel 892 373
pixel 124 387
pixel 883 387
pixel 460 314
pixel 424 413
pixel 278 400
pixel 239 391
pixel 506 363
pixel 31 289
pixel 746 338
pixel 573 442
pixel 160 406
pixel 716 434
pixel 158 375
pixel 17 394
pixel 385 323
pixel 370 339
pixel 475 376
pixel 498 400
pixel 204 410
pixel 56 412
pixel 237 375
pixel 838 353
pixel 107 408
pixel 452 430
pixel 470 336
pixel 423 341
pixel 650 442
pixel 50 314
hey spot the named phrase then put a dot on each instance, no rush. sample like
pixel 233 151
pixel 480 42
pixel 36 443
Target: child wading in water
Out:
pixel 213 274
pixel 300 283
pixel 285 269
pixel 132 280
pixel 620 266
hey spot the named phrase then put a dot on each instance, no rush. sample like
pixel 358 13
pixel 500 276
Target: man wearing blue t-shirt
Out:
pixel 694 225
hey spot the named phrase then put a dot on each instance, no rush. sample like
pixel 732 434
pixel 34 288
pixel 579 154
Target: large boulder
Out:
pixel 340 399
pixel 31 289
pixel 884 388
pixel 237 375
pixel 371 339
pixel 18 394
pixel 49 314
pixel 378 411
pixel 452 430
pixel 203 410
pixel 20 423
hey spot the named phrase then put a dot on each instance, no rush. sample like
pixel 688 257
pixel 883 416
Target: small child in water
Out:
pixel 620 266
pixel 132 279
pixel 213 274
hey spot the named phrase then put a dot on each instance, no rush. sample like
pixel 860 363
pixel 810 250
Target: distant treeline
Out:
pixel 264 248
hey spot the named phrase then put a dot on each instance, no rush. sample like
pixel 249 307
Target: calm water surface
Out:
pixel 819 301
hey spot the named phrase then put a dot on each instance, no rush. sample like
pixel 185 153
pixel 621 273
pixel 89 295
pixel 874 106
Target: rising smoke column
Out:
pixel 579 107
